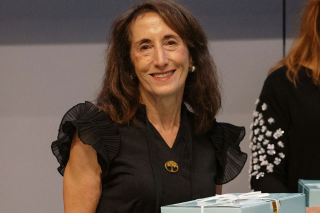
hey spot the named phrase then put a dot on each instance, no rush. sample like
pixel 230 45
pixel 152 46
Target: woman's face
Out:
pixel 160 57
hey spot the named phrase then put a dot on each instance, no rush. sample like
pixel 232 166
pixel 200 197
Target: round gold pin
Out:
pixel 171 166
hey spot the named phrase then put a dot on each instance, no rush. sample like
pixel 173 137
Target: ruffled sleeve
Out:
pixel 94 128
pixel 226 139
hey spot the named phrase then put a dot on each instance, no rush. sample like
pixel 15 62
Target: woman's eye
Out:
pixel 171 42
pixel 144 47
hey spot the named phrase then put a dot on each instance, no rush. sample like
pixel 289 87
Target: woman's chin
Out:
pixel 166 93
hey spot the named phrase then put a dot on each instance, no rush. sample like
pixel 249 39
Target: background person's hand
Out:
pixel 314 209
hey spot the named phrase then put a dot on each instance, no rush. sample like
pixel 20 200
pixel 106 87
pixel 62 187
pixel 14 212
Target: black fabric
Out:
pixel 155 163
pixel 173 183
pixel 226 139
pixel 94 128
pixel 135 179
pixel 296 113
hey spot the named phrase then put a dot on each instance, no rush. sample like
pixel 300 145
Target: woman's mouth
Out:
pixel 163 75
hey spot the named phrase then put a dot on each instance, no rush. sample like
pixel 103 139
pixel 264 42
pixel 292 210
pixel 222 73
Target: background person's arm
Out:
pixel 269 137
pixel 82 179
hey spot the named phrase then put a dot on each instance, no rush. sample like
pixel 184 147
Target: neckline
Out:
pixel 154 155
pixel 182 127
pixel 176 140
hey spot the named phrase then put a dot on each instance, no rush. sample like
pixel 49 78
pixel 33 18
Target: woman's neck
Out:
pixel 164 113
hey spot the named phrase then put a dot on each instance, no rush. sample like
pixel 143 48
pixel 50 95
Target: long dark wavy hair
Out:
pixel 119 96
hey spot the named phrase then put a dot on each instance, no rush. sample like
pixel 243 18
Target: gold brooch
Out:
pixel 171 166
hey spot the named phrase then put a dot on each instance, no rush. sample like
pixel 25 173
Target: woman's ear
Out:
pixel 190 61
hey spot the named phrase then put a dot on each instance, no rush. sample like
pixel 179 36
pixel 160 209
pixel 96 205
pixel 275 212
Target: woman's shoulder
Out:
pixel 279 72
pixel 83 110
pixel 88 120
pixel 226 139
pixel 277 77
pixel 87 112
pixel 217 129
pixel 226 132
pixel 277 83
pixel 94 127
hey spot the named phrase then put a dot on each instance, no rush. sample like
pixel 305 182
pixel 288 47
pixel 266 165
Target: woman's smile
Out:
pixel 163 76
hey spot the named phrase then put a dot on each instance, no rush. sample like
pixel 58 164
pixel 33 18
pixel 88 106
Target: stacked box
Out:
pixel 272 203
pixel 311 188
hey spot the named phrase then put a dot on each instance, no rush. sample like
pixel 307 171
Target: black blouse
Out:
pixel 285 139
pixel 132 158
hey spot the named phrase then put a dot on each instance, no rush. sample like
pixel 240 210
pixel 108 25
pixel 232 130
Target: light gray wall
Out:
pixel 42 77
pixel 38 83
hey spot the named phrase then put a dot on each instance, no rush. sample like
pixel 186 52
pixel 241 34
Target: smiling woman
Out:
pixel 153 131
pixel 161 60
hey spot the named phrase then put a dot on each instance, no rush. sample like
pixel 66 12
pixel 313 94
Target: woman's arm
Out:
pixel 315 209
pixel 269 138
pixel 82 179
pixel 219 189
pixel 269 149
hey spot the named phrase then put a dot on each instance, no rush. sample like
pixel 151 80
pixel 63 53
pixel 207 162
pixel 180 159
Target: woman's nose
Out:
pixel 160 57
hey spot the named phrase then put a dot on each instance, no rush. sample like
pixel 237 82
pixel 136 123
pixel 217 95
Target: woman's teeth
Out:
pixel 163 75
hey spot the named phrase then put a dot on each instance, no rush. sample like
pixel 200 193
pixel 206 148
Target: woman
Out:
pixel 141 148
pixel 285 140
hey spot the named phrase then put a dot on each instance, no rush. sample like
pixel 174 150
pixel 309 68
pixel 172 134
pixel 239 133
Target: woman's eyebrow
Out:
pixel 171 36
pixel 146 40
pixel 141 41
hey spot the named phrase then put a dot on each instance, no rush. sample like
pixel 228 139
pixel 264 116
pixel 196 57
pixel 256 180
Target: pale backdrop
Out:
pixel 45 70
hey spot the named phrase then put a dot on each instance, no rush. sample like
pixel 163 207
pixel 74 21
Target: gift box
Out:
pixel 311 188
pixel 243 203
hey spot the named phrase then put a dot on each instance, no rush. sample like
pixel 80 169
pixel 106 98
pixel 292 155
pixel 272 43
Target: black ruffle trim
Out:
pixel 94 128
pixel 226 139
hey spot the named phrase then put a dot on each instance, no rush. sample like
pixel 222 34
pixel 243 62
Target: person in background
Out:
pixel 285 139
pixel 152 138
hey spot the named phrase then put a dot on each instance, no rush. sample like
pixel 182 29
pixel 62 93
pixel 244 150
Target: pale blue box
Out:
pixel 287 203
pixel 311 188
